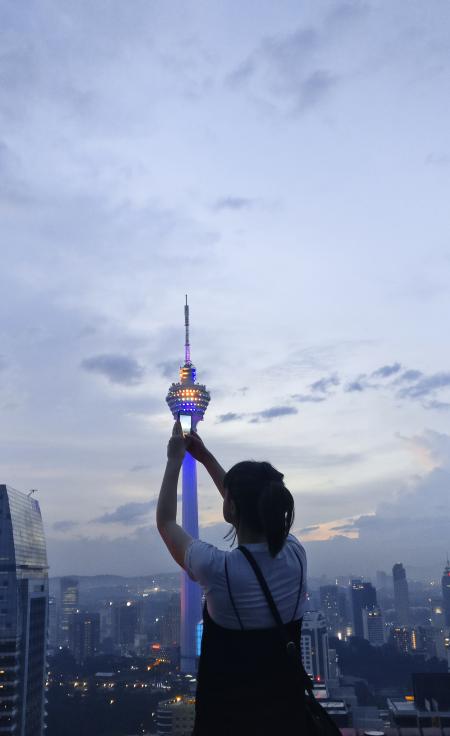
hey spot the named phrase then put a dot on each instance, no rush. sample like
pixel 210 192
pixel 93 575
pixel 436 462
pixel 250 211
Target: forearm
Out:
pixel 166 509
pixel 216 472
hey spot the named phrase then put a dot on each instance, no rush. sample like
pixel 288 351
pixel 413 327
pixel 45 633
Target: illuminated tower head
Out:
pixel 187 396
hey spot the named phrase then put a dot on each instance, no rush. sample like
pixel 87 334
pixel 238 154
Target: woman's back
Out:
pixel 206 564
pixel 245 683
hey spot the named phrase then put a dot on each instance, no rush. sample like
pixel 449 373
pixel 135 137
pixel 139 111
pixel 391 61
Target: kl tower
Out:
pixel 191 398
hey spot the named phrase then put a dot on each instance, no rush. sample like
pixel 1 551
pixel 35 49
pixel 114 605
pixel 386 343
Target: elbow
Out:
pixel 159 520
pixel 162 523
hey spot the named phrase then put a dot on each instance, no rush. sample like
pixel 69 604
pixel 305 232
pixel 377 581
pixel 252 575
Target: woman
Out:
pixel 246 683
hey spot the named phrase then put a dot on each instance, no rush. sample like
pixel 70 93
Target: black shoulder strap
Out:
pixel 301 582
pixel 231 596
pixel 263 584
pixel 293 654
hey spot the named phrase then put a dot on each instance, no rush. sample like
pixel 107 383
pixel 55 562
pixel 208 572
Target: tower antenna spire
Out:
pixel 187 347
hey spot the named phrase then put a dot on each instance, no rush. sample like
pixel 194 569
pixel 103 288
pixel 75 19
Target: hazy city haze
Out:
pixel 287 165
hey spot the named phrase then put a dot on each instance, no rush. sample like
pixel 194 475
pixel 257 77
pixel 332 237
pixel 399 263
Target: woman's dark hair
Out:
pixel 263 502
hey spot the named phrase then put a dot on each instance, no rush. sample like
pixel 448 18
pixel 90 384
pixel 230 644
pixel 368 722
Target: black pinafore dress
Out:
pixel 245 685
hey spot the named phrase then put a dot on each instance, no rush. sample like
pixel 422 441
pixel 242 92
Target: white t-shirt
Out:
pixel 206 564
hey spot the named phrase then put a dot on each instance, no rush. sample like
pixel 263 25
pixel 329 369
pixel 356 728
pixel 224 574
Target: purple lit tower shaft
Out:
pixel 189 397
pixel 191 612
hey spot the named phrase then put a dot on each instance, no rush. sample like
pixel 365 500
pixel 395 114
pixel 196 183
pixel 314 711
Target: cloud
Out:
pixel 438 405
pixel 410 375
pixel 438 159
pixel 354 386
pixel 387 370
pixel 169 368
pixel 116 368
pixel 308 529
pixel 131 513
pixel 315 87
pixel 307 398
pixel 434 445
pixel 64 525
pixel 343 528
pixel 230 416
pixel 411 526
pixel 323 385
pixel 274 412
pixel 139 468
pixel 425 386
pixel 320 390
pixel 348 11
pixel 283 70
pixel 140 552
pixel 233 203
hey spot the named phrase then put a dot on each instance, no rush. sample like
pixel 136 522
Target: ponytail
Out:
pixel 262 501
pixel 276 508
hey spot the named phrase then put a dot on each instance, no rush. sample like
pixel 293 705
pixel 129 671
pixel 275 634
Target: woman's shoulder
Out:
pixel 294 542
pixel 203 560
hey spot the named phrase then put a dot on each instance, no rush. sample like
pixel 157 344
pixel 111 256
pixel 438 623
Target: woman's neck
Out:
pixel 247 536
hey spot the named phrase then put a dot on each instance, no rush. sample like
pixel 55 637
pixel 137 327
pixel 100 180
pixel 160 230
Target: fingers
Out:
pixel 177 429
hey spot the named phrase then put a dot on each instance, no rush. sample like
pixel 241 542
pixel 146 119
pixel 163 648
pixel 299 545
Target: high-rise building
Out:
pixel 401 594
pixel 382 580
pixel 373 626
pixel 68 606
pixel 125 625
pixel 23 614
pixel 84 635
pixel 329 605
pixel 401 638
pixel 446 592
pixel 314 646
pixel 423 641
pixel 176 717
pixel 362 595
pixel 189 398
pixel 170 623
pixel 52 623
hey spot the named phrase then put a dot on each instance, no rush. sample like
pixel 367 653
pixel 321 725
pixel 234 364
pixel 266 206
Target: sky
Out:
pixel 286 164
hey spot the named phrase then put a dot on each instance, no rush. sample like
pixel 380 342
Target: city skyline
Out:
pixel 290 173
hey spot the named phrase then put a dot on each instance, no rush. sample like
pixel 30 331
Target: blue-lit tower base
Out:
pixel 189 397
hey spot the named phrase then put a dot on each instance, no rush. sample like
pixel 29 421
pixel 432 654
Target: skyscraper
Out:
pixel 401 638
pixel 373 626
pixel 330 607
pixel 69 606
pixel 446 592
pixel 192 399
pixel 125 625
pixel 84 635
pixel 23 614
pixel 362 595
pixel 314 646
pixel 401 594
pixel 170 623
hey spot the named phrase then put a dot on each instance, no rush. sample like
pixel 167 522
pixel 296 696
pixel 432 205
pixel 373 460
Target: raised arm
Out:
pixel 197 449
pixel 174 536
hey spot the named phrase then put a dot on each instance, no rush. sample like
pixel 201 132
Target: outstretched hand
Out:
pixel 176 448
pixel 195 447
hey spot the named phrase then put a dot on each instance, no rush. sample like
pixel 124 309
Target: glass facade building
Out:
pixel 401 594
pixel 314 646
pixel 23 614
